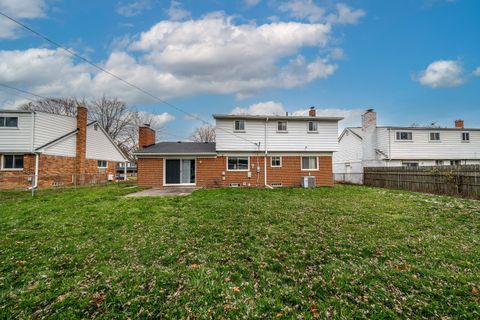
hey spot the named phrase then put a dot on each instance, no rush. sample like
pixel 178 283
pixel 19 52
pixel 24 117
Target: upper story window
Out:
pixel 276 162
pixel 312 126
pixel 239 125
pixel 102 164
pixel 404 136
pixel 466 136
pixel 8 122
pixel 309 163
pixel 282 126
pixel 12 161
pixel 237 163
pixel 434 136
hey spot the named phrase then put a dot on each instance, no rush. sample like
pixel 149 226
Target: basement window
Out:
pixel 12 162
pixel 8 122
pixel 102 164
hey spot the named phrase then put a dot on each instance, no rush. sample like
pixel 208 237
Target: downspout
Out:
pixel 265 157
pixel 125 171
pixel 389 146
pixel 37 154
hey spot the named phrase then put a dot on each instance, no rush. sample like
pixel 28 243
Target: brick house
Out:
pixel 250 151
pixel 39 149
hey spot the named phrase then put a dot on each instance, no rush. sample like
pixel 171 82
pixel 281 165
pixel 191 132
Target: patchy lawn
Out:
pixel 236 253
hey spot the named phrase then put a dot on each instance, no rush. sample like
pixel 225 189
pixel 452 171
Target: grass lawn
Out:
pixel 338 252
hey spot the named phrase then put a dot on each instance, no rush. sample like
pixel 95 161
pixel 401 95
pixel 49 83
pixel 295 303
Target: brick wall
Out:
pixel 146 136
pixel 212 172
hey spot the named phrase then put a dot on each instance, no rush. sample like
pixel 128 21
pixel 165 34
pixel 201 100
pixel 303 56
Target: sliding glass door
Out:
pixel 179 171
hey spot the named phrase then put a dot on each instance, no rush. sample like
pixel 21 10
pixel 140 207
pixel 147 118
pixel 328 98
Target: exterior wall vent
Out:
pixel 235 185
pixel 276 184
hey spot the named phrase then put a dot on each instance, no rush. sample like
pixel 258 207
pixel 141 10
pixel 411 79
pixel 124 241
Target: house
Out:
pixel 380 146
pixel 250 151
pixel 40 149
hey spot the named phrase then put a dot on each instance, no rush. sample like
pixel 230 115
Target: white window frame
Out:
pixel 286 126
pixel 4 126
pixel 399 134
pixel 165 184
pixel 434 133
pixel 463 136
pixel 411 164
pixel 316 161
pixel 238 170
pixel 316 126
pixel 101 167
pixel 2 162
pixel 235 125
pixel 271 161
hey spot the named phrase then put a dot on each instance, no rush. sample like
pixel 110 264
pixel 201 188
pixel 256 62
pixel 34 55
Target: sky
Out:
pixel 413 61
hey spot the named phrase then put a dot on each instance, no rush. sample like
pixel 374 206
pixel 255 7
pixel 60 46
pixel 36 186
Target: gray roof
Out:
pixel 274 117
pixel 179 148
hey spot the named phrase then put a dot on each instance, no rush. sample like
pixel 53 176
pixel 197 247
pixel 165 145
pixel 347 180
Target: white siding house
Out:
pixel 373 145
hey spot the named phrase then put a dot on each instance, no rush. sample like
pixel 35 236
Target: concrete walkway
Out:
pixel 162 192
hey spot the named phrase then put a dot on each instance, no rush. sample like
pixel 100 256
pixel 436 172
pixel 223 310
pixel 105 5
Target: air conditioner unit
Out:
pixel 110 177
pixel 309 182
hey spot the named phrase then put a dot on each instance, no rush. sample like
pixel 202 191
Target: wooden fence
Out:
pixel 462 181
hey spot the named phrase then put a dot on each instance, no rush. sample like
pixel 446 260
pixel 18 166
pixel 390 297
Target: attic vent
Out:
pixel 234 185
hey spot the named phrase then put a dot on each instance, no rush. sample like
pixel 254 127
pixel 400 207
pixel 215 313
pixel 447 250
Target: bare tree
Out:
pixel 62 106
pixel 113 115
pixel 205 133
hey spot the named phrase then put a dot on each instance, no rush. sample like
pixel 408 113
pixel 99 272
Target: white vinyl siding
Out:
pixel 18 139
pixel 49 127
pixel 99 146
pixel 297 139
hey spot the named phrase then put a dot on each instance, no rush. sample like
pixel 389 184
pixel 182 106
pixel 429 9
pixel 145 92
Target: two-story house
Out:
pixel 374 146
pixel 250 151
pixel 43 149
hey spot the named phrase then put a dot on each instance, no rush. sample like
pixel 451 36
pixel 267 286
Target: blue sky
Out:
pixel 414 61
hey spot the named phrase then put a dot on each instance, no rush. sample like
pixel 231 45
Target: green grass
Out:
pixel 340 252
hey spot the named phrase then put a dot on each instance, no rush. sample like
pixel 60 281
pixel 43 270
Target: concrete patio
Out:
pixel 162 192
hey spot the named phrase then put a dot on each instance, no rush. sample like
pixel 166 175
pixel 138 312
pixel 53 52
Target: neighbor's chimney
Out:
pixel 459 124
pixel 312 112
pixel 81 147
pixel 369 139
pixel 146 136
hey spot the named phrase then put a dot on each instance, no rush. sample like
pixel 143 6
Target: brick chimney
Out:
pixel 146 136
pixel 312 112
pixel 81 151
pixel 459 124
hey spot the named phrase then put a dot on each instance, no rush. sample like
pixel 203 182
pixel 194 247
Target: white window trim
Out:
pixel 308 126
pixel 403 140
pixel 238 170
pixel 271 159
pixel 430 136
pixel 106 161
pixel 465 141
pixel 244 125
pixel 301 164
pixel 286 129
pixel 165 184
pixel 9 128
pixel 2 162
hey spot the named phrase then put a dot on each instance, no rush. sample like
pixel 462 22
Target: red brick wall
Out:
pixel 210 171
pixel 81 136
pixel 146 137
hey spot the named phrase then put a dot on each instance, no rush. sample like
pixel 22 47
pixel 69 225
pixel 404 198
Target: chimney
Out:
pixel 81 145
pixel 369 131
pixel 146 136
pixel 312 112
pixel 459 124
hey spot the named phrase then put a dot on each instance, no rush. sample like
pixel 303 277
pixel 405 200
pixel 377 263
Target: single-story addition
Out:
pixel 250 151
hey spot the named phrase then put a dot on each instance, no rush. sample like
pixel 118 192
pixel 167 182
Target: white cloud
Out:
pixel 261 108
pixel 251 3
pixel 211 55
pixel 476 72
pixel 24 9
pixel 442 74
pixel 307 9
pixel 133 8
pixel 157 120
pixel 176 11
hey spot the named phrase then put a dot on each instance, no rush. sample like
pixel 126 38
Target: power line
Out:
pixel 58 45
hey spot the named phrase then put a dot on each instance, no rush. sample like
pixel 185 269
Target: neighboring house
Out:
pixel 42 149
pixel 127 169
pixel 378 146
pixel 250 151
